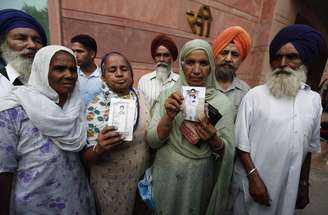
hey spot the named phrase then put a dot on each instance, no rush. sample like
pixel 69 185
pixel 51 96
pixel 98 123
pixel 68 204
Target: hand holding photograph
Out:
pixel 121 115
pixel 193 103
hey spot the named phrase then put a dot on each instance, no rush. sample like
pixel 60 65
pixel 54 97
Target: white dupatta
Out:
pixel 65 126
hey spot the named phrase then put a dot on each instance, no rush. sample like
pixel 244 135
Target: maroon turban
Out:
pixel 167 42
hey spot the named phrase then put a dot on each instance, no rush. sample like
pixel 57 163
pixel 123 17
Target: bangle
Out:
pixel 251 171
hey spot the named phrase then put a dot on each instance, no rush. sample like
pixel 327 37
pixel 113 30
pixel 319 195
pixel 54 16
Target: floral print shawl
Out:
pixel 98 111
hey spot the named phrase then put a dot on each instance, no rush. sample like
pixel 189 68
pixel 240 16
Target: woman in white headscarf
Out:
pixel 41 128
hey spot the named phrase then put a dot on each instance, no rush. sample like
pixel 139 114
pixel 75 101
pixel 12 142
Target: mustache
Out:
pixel 227 65
pixel 27 52
pixel 23 53
pixel 10 55
pixel 162 64
pixel 283 71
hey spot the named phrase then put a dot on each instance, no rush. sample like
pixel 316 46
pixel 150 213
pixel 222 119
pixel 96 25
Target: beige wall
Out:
pixel 128 26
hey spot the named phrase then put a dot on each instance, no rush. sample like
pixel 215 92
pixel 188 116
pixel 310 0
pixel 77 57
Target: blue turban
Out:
pixel 11 18
pixel 308 42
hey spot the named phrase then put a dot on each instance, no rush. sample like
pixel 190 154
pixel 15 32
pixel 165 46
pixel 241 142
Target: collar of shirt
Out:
pixel 95 73
pixel 304 86
pixel 12 74
pixel 172 77
pixel 234 85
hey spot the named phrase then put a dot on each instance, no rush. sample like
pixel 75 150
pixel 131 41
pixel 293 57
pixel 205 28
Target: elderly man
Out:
pixel 21 36
pixel 164 53
pixel 230 48
pixel 277 129
pixel 85 49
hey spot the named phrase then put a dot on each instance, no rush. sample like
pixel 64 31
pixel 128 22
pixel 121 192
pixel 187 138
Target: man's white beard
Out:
pixel 286 81
pixel 21 64
pixel 162 71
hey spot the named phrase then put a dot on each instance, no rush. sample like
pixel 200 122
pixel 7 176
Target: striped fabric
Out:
pixel 151 87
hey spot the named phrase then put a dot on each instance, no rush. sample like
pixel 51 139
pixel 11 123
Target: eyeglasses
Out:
pixel 288 56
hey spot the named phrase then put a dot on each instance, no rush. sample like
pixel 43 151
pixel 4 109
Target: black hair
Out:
pixel 86 40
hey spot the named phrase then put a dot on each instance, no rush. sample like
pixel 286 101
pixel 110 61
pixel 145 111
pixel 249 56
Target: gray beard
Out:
pixel 162 71
pixel 286 81
pixel 21 64
pixel 224 73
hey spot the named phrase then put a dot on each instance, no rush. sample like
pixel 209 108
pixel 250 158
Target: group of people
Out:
pixel 58 155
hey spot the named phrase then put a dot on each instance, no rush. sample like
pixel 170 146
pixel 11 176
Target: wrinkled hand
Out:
pixel 173 104
pixel 107 139
pixel 258 190
pixel 302 197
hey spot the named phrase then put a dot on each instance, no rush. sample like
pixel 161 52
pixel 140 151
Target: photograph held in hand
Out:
pixel 122 115
pixel 193 110
pixel 193 103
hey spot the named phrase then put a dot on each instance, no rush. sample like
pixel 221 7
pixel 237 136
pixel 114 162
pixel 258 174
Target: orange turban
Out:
pixel 236 35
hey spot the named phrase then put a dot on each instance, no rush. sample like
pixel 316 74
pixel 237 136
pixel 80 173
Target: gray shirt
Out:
pixel 235 93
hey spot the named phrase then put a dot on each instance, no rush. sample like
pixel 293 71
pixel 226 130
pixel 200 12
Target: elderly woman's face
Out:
pixel 196 67
pixel 62 74
pixel 117 74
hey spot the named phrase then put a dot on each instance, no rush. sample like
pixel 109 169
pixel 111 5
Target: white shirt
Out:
pixel 278 133
pixel 151 87
pixel 5 84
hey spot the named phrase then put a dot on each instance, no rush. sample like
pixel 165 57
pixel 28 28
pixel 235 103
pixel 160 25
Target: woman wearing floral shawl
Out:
pixel 192 179
pixel 115 165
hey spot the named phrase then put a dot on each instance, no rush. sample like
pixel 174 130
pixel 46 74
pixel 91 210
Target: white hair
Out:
pixel 21 64
pixel 162 71
pixel 286 81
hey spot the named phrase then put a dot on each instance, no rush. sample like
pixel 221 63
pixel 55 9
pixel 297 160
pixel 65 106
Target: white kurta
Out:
pixel 278 133
pixel 7 85
pixel 151 87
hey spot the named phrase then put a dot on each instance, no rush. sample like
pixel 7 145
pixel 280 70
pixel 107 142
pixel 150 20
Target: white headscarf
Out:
pixel 65 126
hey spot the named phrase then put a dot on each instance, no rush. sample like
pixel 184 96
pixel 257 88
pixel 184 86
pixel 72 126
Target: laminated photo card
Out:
pixel 121 115
pixel 193 103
